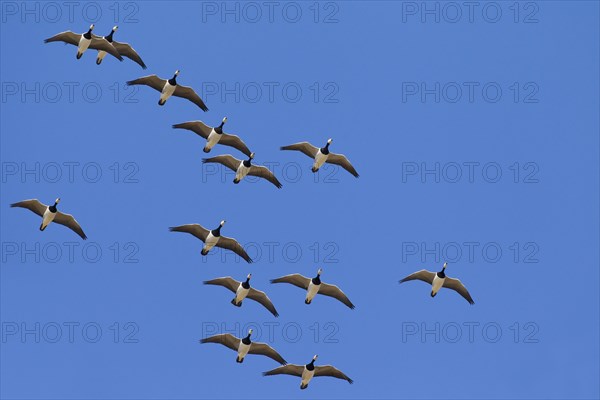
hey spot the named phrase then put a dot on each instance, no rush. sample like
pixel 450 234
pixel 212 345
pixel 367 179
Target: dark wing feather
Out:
pixel 294 279
pixel 265 173
pixel 290 369
pixel 422 275
pixel 151 80
pixel 266 350
pixel 342 161
pixel 328 370
pixel 198 127
pixel 126 50
pixel 225 339
pixel 67 37
pixel 335 292
pixel 227 160
pixel 105 45
pixel 227 282
pixel 32 205
pixel 188 93
pixel 228 139
pixel 232 244
pixel 263 299
pixel 195 229
pixel 70 222
pixel 304 147
pixel 457 286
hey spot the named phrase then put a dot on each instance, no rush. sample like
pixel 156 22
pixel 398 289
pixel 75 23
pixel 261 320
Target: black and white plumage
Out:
pixel 168 88
pixel 124 49
pixel 308 371
pixel 243 290
pixel 85 41
pixel 51 214
pixel 212 238
pixel 314 286
pixel 214 135
pixel 322 155
pixel 245 346
pixel 439 280
pixel 244 168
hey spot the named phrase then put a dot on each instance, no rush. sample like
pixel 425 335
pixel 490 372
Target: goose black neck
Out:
pixel 219 129
pixel 246 340
pixel 109 38
pixel 317 281
pixel 173 80
pixel 248 162
pixel 217 232
pixel 53 207
pixel 246 285
pixel 88 34
pixel 311 365
pixel 441 274
pixel 325 150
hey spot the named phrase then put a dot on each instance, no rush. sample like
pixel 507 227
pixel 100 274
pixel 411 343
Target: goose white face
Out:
pixel 445 265
pixel 329 141
pixel 251 156
pixel 315 357
pixel 224 119
pixel 176 72
pixel 249 276
pixel 91 27
pixel 249 331
pixel 320 271
pixel 114 29
pixel 222 223
pixel 57 200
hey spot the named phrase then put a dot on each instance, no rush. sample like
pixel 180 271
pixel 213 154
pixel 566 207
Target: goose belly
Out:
pixel 83 44
pixel 243 349
pixel 312 291
pixel 167 91
pixel 307 376
pixel 212 140
pixel 241 293
pixel 211 241
pixel 320 159
pixel 101 55
pixel 47 217
pixel 241 172
pixel 437 284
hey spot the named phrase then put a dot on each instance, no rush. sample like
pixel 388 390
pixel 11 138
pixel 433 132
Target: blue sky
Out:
pixel 475 132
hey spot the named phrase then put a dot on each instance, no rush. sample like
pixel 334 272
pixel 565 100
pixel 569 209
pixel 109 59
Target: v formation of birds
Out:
pixel 212 237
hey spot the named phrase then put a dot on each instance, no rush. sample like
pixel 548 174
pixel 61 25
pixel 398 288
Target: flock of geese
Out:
pixel 212 237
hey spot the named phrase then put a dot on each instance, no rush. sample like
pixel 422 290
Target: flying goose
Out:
pixel 214 135
pixel 322 155
pixel 49 214
pixel 243 290
pixel 124 49
pixel 168 88
pixel 84 41
pixel 308 371
pixel 245 346
pixel 212 238
pixel 243 168
pixel 439 280
pixel 314 286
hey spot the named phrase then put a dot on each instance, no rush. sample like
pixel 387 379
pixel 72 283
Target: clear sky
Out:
pixel 474 129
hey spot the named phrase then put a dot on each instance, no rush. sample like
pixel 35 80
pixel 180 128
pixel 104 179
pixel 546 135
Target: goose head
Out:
pixel 248 277
pixel 444 266
pixel 114 29
pixel 57 201
pixel 176 73
pixel 314 358
pixel 222 223
pixel 319 271
pixel 249 332
pixel 91 28
pixel 251 156
pixel 224 120
pixel 110 35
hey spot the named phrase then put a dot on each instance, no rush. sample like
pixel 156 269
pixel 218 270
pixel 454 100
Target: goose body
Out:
pixel 168 88
pixel 438 280
pixel 314 286
pixel 322 155
pixel 242 291
pixel 214 135
pixel 245 346
pixel 124 49
pixel 86 41
pixel 51 214
pixel 212 238
pixel 308 371
pixel 244 168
